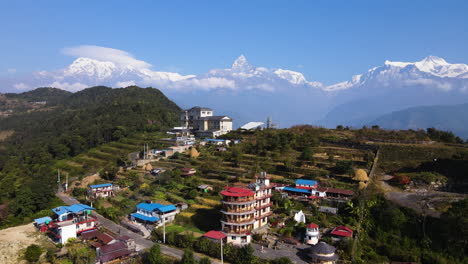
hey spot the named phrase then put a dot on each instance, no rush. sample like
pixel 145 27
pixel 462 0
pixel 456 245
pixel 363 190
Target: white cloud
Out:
pixel 204 84
pixel 11 70
pixel 71 87
pixel 21 86
pixel 116 56
pixel 444 86
pixel 125 84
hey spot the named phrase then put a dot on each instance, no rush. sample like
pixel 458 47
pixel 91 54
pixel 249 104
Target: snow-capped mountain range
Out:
pixel 85 72
pixel 284 94
pixel 404 73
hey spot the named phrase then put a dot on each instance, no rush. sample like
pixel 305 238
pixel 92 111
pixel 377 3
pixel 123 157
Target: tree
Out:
pixel 456 220
pixel 192 194
pixel 187 258
pixel 343 167
pixel 154 255
pixel 204 260
pixel 81 254
pixel 109 173
pixel 282 260
pixel 307 154
pixel 33 253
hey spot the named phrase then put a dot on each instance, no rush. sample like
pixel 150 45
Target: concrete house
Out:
pixel 154 213
pixel 68 222
pixel 101 190
pixel 202 122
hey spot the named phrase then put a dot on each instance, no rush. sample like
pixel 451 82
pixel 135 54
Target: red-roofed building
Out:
pixel 215 236
pixel 246 209
pixel 237 192
pixel 340 232
pixel 312 234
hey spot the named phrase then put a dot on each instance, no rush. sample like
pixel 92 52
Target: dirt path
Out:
pixel 419 200
pixel 15 239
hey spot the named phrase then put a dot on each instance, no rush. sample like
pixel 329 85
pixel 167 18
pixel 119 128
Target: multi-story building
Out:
pixel 101 190
pixel 202 122
pixel 246 210
pixel 69 221
pixel 154 213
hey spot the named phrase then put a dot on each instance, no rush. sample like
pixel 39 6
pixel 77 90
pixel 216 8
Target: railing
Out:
pixel 239 203
pixel 238 200
pixel 232 212
pixel 264 197
pixel 264 215
pixel 237 231
pixel 247 221
pixel 82 219
pixel 264 206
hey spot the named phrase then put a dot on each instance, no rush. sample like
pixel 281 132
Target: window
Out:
pixel 233 238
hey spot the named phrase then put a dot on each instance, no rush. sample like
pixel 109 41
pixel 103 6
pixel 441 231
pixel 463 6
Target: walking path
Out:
pixel 140 241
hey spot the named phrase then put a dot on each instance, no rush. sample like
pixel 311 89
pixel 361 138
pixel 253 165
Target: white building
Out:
pixel 101 190
pixel 154 213
pixel 202 122
pixel 246 210
pixel 69 221
pixel 312 234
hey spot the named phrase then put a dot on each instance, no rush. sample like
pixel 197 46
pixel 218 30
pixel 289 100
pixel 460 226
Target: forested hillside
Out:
pixel 76 123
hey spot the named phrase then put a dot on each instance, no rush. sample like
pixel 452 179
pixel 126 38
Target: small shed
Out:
pixel 188 171
pixel 205 188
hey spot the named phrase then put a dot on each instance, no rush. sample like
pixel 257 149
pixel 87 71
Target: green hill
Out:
pixel 77 123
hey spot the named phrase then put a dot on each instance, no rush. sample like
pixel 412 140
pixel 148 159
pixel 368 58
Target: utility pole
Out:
pixel 58 180
pixel 164 231
pixel 66 183
pixel 222 261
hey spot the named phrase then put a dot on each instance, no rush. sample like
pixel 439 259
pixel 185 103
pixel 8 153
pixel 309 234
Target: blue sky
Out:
pixel 328 41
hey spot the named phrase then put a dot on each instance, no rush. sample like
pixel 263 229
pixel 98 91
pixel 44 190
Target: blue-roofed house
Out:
pixel 41 223
pixel 69 221
pixel 306 184
pixel 101 190
pixel 154 213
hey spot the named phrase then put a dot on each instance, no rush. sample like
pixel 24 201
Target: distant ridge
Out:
pixel 445 117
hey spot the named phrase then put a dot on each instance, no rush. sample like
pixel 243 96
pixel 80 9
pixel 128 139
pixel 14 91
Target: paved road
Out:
pixel 141 242
pixel 291 252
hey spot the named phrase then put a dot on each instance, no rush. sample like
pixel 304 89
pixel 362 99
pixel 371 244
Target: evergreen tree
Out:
pixel 187 258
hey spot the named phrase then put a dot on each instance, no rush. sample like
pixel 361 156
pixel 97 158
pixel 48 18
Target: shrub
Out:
pixel 33 253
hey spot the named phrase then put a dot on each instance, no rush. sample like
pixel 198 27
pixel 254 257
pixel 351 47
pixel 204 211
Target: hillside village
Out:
pixel 194 188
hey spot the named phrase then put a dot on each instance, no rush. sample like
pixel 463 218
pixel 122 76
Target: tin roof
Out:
pixel 100 185
pixel 215 235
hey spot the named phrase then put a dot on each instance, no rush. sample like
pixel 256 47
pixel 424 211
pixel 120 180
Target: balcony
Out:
pixel 234 212
pixel 238 200
pixel 248 221
pixel 243 231
pixel 262 206
pixel 264 197
pixel 264 215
